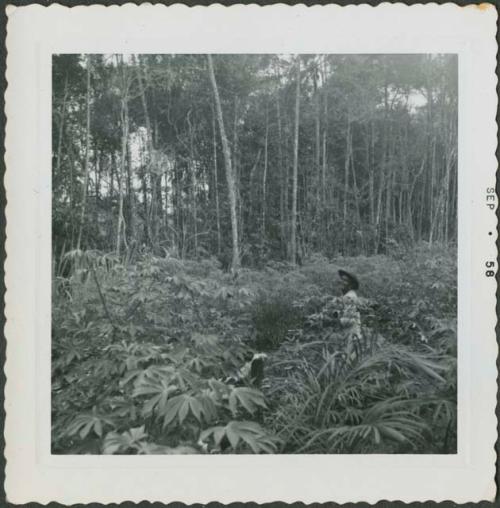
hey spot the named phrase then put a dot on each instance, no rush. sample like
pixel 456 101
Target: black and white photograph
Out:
pixel 254 254
pixel 251 253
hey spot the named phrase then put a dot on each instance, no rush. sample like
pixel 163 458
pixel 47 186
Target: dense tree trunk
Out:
pixel 293 239
pixel 177 206
pixel 236 172
pixel 347 160
pixel 356 191
pixel 264 178
pixel 121 173
pixel 132 220
pixel 62 118
pixel 229 171
pixel 72 194
pixel 121 229
pixel 87 156
pixel 370 150
pixel 145 208
pixel 97 191
pixel 324 210
pixel 112 171
pixel 383 168
pixel 388 191
pixel 193 186
pixel 433 203
pixel 317 146
pixel 151 162
pixel 283 182
pixel 158 176
pixel 216 182
pixel 252 188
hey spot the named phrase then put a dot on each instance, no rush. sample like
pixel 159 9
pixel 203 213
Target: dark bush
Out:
pixel 272 318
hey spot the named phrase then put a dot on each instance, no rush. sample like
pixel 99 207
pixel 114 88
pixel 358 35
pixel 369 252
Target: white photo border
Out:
pixel 34 33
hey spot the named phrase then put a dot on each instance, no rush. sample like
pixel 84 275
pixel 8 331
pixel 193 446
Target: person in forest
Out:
pixel 350 318
pixel 350 284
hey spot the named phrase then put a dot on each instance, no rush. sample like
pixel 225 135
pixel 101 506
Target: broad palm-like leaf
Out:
pixel 158 392
pixel 132 439
pixel 180 406
pixel 241 433
pixel 248 398
pixel 83 424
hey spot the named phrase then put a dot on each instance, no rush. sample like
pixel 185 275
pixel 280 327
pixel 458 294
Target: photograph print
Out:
pixel 254 254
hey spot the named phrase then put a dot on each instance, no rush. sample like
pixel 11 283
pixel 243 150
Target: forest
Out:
pixel 202 207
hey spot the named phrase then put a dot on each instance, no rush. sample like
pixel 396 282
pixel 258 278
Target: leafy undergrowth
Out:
pixel 151 357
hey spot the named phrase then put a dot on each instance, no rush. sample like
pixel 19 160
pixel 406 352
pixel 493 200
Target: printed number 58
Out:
pixel 490 264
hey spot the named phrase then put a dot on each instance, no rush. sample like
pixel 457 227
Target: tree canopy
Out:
pixel 139 161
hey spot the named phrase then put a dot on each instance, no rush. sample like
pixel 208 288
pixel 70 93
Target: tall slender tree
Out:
pixel 124 121
pixel 86 168
pixel 229 170
pixel 293 240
